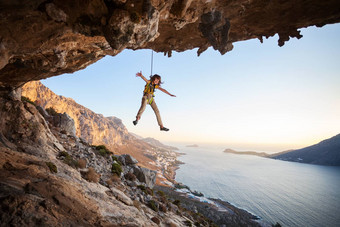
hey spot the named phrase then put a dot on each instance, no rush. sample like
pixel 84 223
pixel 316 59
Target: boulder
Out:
pixel 43 112
pixel 121 196
pixel 15 94
pixel 145 175
pixel 128 159
pixel 65 123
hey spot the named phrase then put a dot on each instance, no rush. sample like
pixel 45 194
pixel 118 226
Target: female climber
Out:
pixel 151 85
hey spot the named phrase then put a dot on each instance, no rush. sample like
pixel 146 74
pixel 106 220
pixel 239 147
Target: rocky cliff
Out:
pixel 92 127
pixel 40 39
pixel 109 131
pixel 48 178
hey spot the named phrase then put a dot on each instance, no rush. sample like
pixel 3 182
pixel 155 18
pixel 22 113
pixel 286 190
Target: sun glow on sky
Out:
pixel 258 96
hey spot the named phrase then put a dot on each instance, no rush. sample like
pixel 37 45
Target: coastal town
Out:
pixel 165 159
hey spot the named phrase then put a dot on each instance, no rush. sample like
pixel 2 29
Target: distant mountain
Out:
pixel 327 152
pixel 231 151
pixel 157 143
pixel 137 136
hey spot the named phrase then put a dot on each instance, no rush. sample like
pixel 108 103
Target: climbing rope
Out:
pixel 151 61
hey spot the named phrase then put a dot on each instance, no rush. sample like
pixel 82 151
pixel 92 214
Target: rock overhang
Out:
pixel 41 39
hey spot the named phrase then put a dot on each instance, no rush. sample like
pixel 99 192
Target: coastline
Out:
pixel 217 210
pixel 246 183
pixel 221 213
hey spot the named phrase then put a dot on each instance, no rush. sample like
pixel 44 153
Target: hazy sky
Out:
pixel 256 97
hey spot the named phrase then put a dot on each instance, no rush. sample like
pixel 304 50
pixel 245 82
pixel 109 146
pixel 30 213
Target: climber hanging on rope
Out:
pixel 148 98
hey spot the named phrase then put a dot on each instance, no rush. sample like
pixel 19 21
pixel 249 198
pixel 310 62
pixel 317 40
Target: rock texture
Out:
pixel 40 39
pixel 49 178
pixel 93 128
pixel 43 184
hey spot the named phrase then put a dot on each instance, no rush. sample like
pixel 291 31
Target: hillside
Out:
pixel 109 131
pixel 51 177
pixel 327 152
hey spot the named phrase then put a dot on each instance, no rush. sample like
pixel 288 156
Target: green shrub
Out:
pixel 103 151
pixel 277 225
pixel 177 202
pixel 116 168
pixel 51 111
pixel 149 191
pixel 100 147
pixel 52 166
pixel 161 193
pixel 68 159
pixel 115 159
pixel 26 99
pixel 65 155
pixel 141 187
pixel 187 223
pixel 153 205
pixel 146 190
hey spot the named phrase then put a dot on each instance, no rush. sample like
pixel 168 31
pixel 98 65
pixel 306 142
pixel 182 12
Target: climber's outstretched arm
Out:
pixel 166 92
pixel 139 74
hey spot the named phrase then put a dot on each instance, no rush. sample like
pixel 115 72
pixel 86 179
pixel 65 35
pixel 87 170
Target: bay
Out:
pixel 292 194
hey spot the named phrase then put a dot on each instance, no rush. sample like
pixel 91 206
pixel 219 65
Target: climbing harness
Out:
pixel 151 100
pixel 149 90
pixel 149 87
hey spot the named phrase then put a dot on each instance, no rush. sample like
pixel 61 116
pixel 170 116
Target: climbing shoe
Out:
pixel 135 122
pixel 164 129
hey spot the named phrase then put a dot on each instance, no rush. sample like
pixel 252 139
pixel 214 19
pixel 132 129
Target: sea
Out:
pixel 288 193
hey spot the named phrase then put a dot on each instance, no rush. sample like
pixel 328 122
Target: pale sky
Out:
pixel 256 97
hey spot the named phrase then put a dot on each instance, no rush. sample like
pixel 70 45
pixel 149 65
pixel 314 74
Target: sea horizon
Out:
pixel 267 148
pixel 292 194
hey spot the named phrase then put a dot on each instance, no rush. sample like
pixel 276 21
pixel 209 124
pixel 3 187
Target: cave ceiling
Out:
pixel 41 39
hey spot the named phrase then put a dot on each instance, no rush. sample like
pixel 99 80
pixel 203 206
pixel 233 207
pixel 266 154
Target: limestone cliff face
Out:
pixel 40 39
pixel 92 127
pixel 40 185
pixel 48 178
